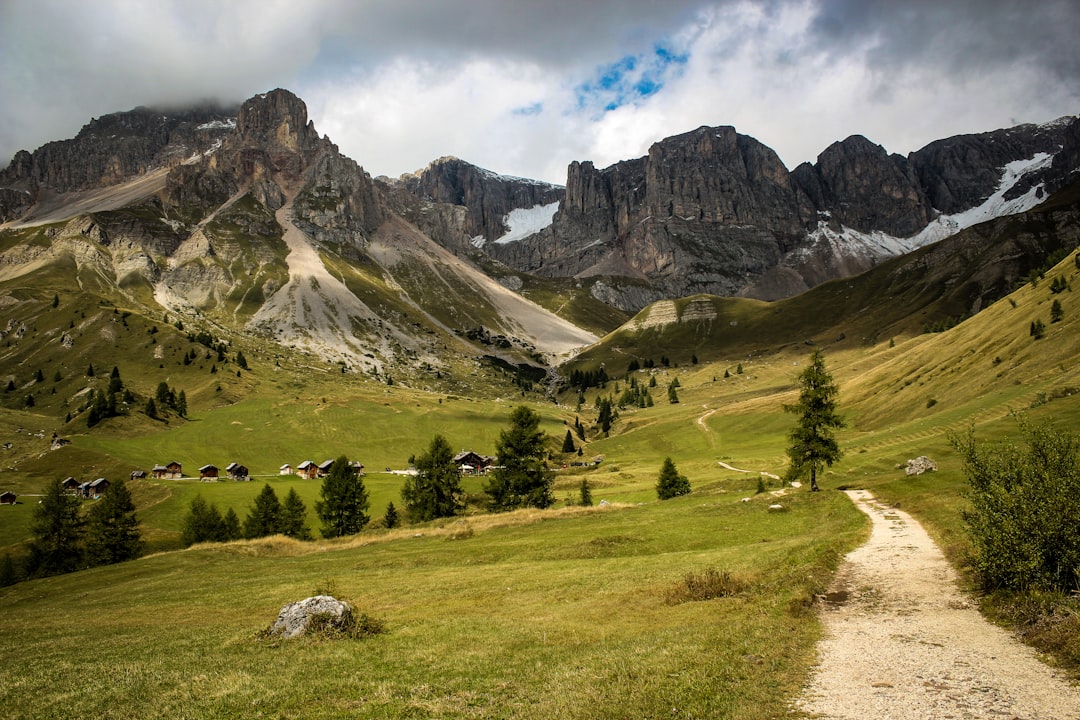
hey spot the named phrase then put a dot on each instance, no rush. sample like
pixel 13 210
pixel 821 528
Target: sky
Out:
pixel 524 88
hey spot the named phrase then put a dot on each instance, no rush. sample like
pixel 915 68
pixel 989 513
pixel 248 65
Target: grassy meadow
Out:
pixel 567 612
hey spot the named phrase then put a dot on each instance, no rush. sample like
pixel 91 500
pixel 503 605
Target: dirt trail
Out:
pixel 903 643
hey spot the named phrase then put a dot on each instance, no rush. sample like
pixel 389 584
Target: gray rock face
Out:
pixel 865 188
pixel 715 211
pixel 486 197
pixel 117 147
pixel 295 619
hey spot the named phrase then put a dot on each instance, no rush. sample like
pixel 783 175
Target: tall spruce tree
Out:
pixel 57 528
pixel 522 478
pixel 294 517
pixel 112 530
pixel 812 442
pixel 435 490
pixel 344 504
pixel 265 515
pixel 568 443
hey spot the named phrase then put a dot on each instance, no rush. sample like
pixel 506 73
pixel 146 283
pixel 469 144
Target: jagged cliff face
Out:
pixel 486 198
pixel 111 150
pixel 717 212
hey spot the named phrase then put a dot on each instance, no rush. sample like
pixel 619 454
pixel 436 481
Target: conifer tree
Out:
pixel 586 493
pixel 523 478
pixel 265 515
pixel 344 504
pixel 294 517
pixel 568 443
pixel 57 529
pixel 391 519
pixel 435 490
pixel 670 483
pixel 812 441
pixel 230 526
pixel 203 523
pixel 112 530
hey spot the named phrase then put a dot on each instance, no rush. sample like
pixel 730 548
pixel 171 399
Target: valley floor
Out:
pixel 902 642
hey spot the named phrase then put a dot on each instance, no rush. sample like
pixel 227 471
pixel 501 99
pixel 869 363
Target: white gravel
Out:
pixel 902 642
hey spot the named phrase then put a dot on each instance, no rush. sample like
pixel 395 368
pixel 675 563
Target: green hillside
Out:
pixel 569 612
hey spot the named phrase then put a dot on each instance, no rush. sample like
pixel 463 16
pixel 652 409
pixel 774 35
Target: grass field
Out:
pixel 560 613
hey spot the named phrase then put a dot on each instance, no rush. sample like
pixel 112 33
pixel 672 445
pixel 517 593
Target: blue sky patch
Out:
pixel 526 110
pixel 630 79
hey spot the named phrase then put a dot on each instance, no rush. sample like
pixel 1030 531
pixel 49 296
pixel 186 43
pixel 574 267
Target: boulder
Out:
pixel 920 465
pixel 295 619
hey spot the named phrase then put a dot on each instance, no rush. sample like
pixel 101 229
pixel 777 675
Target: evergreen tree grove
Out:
pixel 812 442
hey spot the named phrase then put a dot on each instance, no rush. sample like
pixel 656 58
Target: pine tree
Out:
pixel 151 408
pixel 265 515
pixel 1057 313
pixel 230 526
pixel 672 395
pixel 670 483
pixel 57 529
pixel 586 493
pixel 568 443
pixel 606 416
pixel 39 376
pixel 203 523
pixel 435 490
pixel 112 530
pixel 523 479
pixel 181 404
pixel 344 504
pixel 390 519
pixel 294 517
pixel 812 441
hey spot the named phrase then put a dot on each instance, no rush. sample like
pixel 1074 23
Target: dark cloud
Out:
pixel 958 36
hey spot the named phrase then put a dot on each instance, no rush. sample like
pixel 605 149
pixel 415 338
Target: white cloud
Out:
pixel 399 83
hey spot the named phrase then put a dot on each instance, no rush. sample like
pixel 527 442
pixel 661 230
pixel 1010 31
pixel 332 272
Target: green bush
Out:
pixel 1025 508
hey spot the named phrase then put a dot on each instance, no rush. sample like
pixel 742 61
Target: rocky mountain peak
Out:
pixel 276 120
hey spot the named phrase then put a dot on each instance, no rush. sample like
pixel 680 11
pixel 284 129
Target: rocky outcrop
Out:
pixel 486 196
pixel 863 187
pixel 275 151
pixel 114 148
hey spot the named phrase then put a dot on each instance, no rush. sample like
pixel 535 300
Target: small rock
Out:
pixel 920 465
pixel 777 507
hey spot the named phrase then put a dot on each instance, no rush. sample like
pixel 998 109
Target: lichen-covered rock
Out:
pixel 327 612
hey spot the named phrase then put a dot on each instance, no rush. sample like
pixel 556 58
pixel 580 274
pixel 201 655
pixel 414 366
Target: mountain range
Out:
pixel 247 221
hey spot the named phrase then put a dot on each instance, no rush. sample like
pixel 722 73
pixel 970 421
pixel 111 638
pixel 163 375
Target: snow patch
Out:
pixel 994 206
pixel 524 222
pixel 878 244
pixel 226 124
pixel 478 242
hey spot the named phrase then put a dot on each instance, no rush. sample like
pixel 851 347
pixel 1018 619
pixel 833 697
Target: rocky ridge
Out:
pixel 715 211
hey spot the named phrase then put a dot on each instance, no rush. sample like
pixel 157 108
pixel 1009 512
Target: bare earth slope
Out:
pixel 903 643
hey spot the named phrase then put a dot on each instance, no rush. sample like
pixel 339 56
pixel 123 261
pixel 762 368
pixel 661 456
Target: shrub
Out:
pixel 710 584
pixel 1025 508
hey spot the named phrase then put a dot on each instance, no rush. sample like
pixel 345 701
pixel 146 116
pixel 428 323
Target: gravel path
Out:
pixel 903 643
